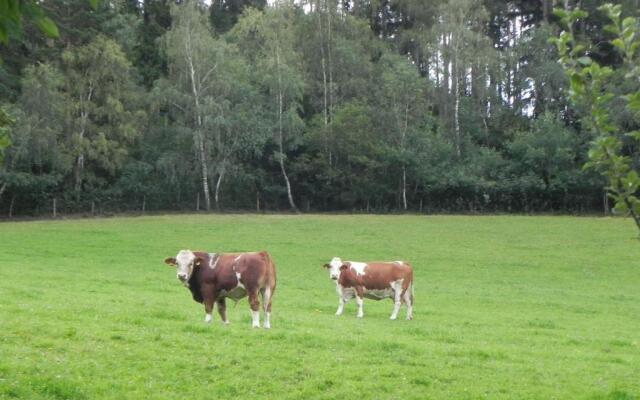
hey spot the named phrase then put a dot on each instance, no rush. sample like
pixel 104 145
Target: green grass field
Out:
pixel 506 307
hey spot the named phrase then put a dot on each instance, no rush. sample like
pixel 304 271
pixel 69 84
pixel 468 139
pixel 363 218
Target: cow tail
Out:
pixel 412 301
pixel 272 278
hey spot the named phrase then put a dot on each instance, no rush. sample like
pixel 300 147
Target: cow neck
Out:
pixel 198 276
pixel 194 286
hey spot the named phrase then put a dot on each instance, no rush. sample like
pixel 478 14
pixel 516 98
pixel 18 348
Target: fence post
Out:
pixel 55 211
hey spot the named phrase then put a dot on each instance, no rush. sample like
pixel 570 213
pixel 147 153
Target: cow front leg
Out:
pixel 396 304
pixel 341 300
pixel 222 310
pixel 360 301
pixel 255 308
pixel 208 307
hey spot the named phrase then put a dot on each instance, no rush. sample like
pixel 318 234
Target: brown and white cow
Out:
pixel 373 280
pixel 212 278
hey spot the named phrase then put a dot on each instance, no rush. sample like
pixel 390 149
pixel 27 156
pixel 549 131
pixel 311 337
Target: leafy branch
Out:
pixel 588 88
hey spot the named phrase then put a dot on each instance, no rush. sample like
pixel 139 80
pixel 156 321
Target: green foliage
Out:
pixel 12 13
pixel 450 106
pixel 546 151
pixel 590 88
pixel 5 122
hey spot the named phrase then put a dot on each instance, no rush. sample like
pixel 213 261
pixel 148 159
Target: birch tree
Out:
pixel 402 105
pixel 103 117
pixel 268 39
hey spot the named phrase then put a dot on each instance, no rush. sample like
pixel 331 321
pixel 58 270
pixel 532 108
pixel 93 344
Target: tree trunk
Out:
pixel 404 188
pixel 199 128
pixel 2 189
pixel 13 201
pixel 546 10
pixel 217 194
pixel 144 203
pixel 402 148
pixel 325 108
pixel 205 171
pixel 84 117
pixel 79 170
pixel 456 107
pixel 280 133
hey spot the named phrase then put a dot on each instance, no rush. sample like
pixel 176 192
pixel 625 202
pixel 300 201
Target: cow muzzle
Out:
pixel 182 278
pixel 335 278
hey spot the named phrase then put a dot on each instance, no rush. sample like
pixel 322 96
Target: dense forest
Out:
pixel 309 105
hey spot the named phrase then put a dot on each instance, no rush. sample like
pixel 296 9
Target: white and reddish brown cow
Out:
pixel 373 280
pixel 212 278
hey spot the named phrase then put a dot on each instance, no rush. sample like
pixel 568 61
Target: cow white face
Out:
pixel 334 268
pixel 185 262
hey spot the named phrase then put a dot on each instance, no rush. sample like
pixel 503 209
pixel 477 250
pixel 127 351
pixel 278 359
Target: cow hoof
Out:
pixel 393 318
pixel 267 327
pixel 359 316
pixel 225 323
pixel 256 326
pixel 409 318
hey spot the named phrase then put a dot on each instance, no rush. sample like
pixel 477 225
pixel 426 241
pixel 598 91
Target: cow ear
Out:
pixel 343 267
pixel 327 266
pixel 170 261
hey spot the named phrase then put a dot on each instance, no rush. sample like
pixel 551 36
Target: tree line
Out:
pixel 316 105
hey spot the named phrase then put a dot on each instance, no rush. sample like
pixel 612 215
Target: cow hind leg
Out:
pixel 267 293
pixel 408 300
pixel 254 304
pixel 397 298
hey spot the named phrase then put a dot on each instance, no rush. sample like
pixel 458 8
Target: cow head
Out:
pixel 185 262
pixel 334 268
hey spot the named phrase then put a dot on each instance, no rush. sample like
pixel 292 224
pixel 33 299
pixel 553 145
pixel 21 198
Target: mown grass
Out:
pixel 506 307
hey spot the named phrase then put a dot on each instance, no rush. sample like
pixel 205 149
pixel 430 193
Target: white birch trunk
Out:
pixel 218 182
pixel 84 117
pixel 280 133
pixel 202 155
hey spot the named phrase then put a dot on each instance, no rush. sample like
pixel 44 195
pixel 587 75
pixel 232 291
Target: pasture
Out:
pixel 506 307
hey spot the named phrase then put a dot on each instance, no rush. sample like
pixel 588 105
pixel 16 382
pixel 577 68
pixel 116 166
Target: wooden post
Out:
pixel 144 203
pixel 257 201
pixel 606 204
pixel 420 206
pixel 93 207
pixel 198 201
pixel 55 211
